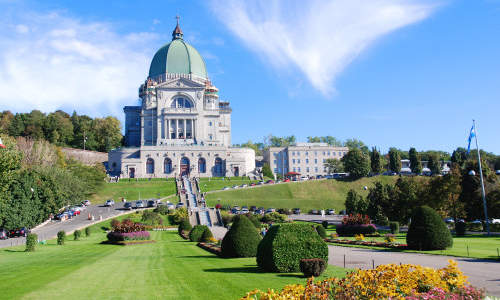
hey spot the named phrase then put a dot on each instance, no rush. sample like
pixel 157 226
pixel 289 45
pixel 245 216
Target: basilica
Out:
pixel 182 127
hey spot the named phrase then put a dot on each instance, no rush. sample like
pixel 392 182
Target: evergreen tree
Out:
pixel 459 156
pixel 394 160
pixel 375 161
pixel 434 164
pixel 266 171
pixel 415 163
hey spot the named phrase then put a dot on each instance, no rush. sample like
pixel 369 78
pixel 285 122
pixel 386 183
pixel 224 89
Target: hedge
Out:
pixel 427 231
pixel 184 226
pixel 242 239
pixel 284 245
pixel 321 231
pixel 460 228
pixel 349 230
pixel 196 233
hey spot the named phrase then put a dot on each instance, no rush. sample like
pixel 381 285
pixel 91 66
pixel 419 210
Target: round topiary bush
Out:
pixel 394 227
pixel 184 226
pixel 31 241
pixel 196 233
pixel 460 228
pixel 61 237
pixel 207 235
pixel 321 231
pixel 241 240
pixel 284 245
pixel 325 224
pixel 312 266
pixel 427 231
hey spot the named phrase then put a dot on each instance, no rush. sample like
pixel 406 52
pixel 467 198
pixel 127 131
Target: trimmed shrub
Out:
pixel 321 231
pixel 31 240
pixel 88 231
pixel 253 219
pixel 427 231
pixel 197 232
pixel 350 230
pixel 274 217
pixel 151 218
pixel 128 236
pixel 184 226
pixel 312 266
pixel 161 209
pixel 227 218
pixel 460 228
pixel 284 245
pixel 61 237
pixel 241 240
pixel 77 234
pixel 394 227
pixel 207 236
pixel 325 224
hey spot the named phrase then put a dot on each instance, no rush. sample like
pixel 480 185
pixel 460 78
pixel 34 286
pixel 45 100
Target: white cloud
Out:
pixel 319 37
pixel 51 61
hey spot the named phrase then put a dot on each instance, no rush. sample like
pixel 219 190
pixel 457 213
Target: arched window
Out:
pixel 218 170
pixel 181 102
pixel 202 165
pixel 167 166
pixel 184 166
pixel 150 166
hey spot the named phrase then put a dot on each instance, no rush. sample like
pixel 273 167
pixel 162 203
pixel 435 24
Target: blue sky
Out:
pixel 389 72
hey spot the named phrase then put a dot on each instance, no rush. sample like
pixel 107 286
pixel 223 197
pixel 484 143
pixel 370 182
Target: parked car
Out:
pixel 86 202
pixel 170 205
pixel 253 208
pixel 449 220
pixel 127 205
pixel 244 185
pixel 23 231
pixel 235 211
pixel 236 207
pixel 314 212
pixel 260 183
pixel 109 202
pixel 262 208
pixel 497 172
pixel 151 203
pixel 270 210
pixel 476 222
pixel 139 204
pixel 330 211
pixel 236 186
pixel 4 234
pixel 296 211
pixel 225 188
pixel 259 212
pixel 304 178
pixel 179 205
pixel 75 212
pixel 244 211
pixel 253 184
pixel 270 181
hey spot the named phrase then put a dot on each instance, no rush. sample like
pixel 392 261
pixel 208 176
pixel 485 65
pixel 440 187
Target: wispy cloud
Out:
pixel 51 61
pixel 318 37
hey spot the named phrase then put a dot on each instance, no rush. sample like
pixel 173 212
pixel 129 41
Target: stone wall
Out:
pixel 85 156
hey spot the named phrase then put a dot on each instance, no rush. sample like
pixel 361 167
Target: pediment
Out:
pixel 180 83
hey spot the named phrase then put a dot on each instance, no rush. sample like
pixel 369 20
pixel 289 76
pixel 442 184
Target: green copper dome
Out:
pixel 177 57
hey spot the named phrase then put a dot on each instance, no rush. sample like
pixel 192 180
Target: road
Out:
pixel 49 230
pixel 481 272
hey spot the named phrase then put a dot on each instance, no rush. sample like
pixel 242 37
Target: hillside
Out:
pixel 307 195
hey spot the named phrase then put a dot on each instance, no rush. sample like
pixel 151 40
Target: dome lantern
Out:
pixel 177 33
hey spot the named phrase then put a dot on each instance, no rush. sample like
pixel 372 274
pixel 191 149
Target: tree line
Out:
pixel 61 129
pixel 36 180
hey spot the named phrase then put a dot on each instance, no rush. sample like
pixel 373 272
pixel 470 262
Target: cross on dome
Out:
pixel 177 34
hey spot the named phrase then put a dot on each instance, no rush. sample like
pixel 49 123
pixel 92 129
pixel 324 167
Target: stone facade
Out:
pixel 305 158
pixel 181 126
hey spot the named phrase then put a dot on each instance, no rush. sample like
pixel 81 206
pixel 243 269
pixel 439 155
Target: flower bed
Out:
pixel 212 248
pixel 367 243
pixel 391 281
pixel 356 224
pixel 128 236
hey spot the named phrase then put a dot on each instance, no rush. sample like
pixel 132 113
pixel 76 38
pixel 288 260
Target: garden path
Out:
pixel 482 273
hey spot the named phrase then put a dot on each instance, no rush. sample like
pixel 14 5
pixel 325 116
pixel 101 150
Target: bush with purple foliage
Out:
pixel 128 236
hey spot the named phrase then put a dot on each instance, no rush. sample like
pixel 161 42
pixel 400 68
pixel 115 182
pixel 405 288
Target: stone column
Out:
pixel 142 127
pixel 176 128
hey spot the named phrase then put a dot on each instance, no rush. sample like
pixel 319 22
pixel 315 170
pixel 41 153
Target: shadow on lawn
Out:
pixel 253 269
pixel 13 251
pixel 199 256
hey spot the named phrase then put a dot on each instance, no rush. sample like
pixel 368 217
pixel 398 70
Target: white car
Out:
pixel 86 202
pixel 225 188
pixel 179 205
pixel 170 205
pixel 495 221
pixel 110 202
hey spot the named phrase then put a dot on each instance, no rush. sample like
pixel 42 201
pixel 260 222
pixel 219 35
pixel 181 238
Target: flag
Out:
pixel 1 144
pixel 472 134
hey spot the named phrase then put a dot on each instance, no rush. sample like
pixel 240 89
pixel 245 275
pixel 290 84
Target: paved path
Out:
pixel 481 272
pixel 49 230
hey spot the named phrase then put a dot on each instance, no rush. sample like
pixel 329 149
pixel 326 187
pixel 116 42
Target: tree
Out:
pixel 266 171
pixel 355 203
pixel 355 143
pixel 334 165
pixel 433 164
pixel 375 162
pixel 415 163
pixel 427 231
pixel 394 160
pixel 459 156
pixel 378 198
pixel 356 163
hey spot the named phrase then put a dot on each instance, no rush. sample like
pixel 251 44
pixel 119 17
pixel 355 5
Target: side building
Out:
pixel 307 159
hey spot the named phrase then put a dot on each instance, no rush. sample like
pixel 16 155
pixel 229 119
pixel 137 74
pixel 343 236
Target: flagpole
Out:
pixel 482 181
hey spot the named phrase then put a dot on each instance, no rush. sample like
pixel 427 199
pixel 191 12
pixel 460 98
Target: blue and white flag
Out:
pixel 472 134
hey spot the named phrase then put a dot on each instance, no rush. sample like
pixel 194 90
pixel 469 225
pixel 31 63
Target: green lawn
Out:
pixel 315 194
pixel 169 269
pixel 130 190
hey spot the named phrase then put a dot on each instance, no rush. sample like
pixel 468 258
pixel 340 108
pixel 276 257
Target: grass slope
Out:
pixel 314 194
pixel 169 269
